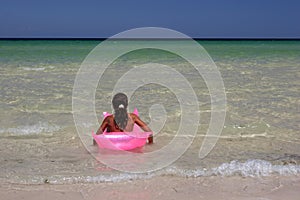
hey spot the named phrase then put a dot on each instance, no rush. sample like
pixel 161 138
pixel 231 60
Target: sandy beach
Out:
pixel 165 187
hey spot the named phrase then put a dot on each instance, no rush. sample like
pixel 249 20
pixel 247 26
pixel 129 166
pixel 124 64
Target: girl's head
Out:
pixel 120 103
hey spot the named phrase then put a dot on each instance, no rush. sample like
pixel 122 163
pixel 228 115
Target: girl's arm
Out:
pixel 143 126
pixel 101 128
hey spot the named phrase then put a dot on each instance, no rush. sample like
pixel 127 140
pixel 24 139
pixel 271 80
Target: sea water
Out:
pixel 40 144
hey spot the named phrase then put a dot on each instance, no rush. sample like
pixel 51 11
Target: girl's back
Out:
pixel 113 127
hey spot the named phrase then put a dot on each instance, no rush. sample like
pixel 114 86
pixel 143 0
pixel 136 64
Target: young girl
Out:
pixel 121 120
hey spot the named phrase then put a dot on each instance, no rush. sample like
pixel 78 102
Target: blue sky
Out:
pixel 198 19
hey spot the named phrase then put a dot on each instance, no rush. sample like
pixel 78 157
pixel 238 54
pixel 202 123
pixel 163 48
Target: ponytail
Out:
pixel 121 117
pixel 120 103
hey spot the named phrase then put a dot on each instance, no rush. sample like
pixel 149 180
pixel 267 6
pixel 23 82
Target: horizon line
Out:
pixel 164 38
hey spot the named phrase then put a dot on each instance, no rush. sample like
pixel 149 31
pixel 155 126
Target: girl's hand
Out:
pixel 150 139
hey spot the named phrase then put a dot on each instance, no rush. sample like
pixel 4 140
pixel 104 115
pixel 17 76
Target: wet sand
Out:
pixel 164 187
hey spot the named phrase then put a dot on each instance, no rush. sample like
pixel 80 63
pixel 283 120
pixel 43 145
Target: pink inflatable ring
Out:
pixel 122 140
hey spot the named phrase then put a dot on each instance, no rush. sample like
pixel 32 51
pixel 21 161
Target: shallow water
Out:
pixel 39 141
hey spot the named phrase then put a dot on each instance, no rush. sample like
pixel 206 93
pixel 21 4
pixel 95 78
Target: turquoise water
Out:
pixel 39 141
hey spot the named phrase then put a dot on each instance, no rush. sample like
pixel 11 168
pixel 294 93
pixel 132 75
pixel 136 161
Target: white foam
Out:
pixel 41 127
pixel 254 168
pixel 250 168
pixel 41 68
pixel 34 69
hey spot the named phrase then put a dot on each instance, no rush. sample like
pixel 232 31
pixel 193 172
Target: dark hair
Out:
pixel 120 103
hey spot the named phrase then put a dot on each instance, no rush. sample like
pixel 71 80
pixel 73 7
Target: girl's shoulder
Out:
pixel 109 118
pixel 133 116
